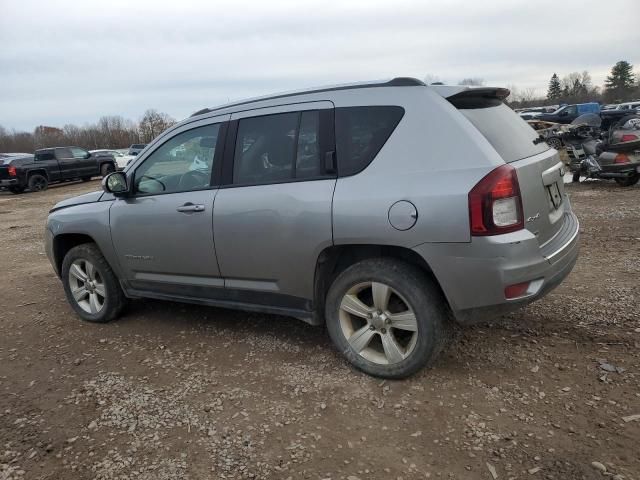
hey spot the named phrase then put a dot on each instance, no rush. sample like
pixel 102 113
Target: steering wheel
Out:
pixel 162 185
pixel 192 179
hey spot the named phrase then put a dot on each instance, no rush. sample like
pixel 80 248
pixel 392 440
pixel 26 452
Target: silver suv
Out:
pixel 384 210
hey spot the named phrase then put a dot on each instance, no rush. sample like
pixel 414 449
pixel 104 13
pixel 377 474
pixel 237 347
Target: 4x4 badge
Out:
pixel 533 217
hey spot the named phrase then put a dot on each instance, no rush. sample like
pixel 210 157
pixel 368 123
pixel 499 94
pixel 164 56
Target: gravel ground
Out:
pixel 175 391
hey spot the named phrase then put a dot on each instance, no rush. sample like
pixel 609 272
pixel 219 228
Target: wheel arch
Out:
pixel 335 259
pixel 38 171
pixel 64 242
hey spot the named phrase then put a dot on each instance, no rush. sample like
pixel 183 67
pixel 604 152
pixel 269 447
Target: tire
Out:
pixel 629 181
pixel 411 292
pixel 554 142
pixel 37 182
pixel 16 190
pixel 85 179
pixel 106 169
pixel 101 299
pixel 576 177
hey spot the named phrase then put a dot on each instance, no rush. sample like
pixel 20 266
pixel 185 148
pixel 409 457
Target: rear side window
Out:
pixel 277 148
pixel 42 156
pixel 360 134
pixel 510 135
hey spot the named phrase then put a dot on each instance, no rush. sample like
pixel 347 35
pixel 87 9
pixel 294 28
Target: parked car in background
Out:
pixel 568 113
pixel 334 206
pixel 625 106
pixel 51 165
pixel 136 148
pixel 121 159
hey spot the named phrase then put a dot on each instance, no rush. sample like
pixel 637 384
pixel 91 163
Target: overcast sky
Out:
pixel 74 61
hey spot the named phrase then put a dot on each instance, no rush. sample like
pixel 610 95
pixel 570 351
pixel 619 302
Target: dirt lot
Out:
pixel 177 391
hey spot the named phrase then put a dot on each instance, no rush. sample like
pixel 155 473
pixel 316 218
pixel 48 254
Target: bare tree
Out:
pixel 152 124
pixel 475 81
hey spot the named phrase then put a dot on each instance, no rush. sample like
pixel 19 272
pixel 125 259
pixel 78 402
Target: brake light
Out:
pixel 495 204
pixel 628 138
pixel 621 158
pixel 12 171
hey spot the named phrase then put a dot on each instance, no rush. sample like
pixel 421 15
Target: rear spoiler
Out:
pixel 472 97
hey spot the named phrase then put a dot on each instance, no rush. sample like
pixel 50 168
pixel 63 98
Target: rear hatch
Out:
pixel 538 167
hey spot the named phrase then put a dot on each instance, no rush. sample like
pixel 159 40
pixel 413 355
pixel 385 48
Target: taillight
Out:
pixel 495 204
pixel 629 138
pixel 621 158
pixel 12 171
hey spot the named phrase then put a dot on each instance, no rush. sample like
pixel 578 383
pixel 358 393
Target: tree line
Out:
pixel 108 132
pixel 621 85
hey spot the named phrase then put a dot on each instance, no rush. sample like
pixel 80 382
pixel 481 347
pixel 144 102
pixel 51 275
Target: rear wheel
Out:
pixel 16 190
pixel 90 285
pixel 106 169
pixel 628 181
pixel 37 182
pixel 576 177
pixel 386 317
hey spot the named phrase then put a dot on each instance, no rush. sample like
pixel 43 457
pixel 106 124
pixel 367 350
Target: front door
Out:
pixel 273 216
pixel 163 233
pixel 68 165
pixel 86 164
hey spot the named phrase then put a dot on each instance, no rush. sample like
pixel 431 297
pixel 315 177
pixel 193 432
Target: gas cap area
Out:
pixel 403 215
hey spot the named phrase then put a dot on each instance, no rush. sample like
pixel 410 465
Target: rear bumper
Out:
pixel 9 183
pixel 474 275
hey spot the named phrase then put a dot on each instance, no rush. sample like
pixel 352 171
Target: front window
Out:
pixel 183 163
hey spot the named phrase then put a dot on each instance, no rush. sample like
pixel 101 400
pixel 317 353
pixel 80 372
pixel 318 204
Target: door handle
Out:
pixel 190 207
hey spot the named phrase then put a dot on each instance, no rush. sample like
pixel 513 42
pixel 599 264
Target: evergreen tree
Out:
pixel 621 77
pixel 555 90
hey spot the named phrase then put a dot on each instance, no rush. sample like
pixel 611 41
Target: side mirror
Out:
pixel 87 155
pixel 116 184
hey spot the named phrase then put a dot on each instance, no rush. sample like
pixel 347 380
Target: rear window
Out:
pixel 41 156
pixel 360 134
pixel 139 146
pixel 510 135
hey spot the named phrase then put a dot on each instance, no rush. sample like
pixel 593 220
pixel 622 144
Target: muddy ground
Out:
pixel 176 391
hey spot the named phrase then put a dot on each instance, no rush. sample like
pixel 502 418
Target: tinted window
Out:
pixel 278 147
pixel 360 134
pixel 509 135
pixel 181 164
pixel 44 156
pixel 308 153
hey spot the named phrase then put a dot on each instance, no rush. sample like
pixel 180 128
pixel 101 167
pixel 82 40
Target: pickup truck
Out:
pixel 569 113
pixel 50 165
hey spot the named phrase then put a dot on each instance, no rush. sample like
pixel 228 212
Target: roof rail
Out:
pixel 395 82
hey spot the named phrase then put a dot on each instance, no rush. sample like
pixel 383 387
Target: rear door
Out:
pixel 539 168
pixel 273 216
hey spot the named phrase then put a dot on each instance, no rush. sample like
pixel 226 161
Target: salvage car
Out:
pixel 52 165
pixel 333 206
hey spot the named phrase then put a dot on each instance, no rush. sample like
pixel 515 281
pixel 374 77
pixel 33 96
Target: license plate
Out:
pixel 554 195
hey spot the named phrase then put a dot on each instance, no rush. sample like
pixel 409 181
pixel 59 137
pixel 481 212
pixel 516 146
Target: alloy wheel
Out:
pixel 378 323
pixel 87 286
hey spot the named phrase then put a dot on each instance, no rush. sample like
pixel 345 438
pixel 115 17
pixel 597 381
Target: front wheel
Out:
pixel 576 177
pixel 386 317
pixel 90 285
pixel 629 181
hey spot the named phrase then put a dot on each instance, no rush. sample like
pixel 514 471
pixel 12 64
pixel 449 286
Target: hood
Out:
pixel 79 200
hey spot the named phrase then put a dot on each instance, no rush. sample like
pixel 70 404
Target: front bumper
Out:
pixel 474 275
pixel 48 248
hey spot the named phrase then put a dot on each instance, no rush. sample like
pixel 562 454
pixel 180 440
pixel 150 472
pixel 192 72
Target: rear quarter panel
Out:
pixel 432 159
